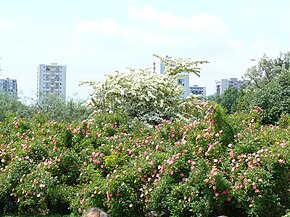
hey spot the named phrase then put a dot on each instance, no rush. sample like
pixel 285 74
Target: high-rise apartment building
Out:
pixel 9 87
pixel 159 67
pixel 196 90
pixel 223 84
pixel 51 79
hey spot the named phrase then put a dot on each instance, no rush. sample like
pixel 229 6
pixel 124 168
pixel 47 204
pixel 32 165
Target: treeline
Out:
pixel 267 85
pixel 54 108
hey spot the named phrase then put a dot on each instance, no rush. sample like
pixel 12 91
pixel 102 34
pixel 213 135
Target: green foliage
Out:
pixel 268 87
pixel 54 108
pixel 215 165
pixel 229 99
pixel 10 105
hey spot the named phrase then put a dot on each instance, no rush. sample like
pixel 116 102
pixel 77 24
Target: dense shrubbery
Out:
pixel 54 108
pixel 216 164
pixel 266 85
pixel 193 160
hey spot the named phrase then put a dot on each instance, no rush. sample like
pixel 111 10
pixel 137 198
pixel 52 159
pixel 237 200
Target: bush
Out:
pixel 214 165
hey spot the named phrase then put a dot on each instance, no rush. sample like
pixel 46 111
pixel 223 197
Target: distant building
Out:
pixel 51 79
pixel 9 87
pixel 223 84
pixel 159 67
pixel 196 90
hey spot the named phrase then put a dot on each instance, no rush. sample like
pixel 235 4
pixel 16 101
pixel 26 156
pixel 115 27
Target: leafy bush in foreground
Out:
pixel 214 165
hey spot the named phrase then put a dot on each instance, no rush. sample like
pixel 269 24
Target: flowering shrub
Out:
pixel 213 165
pixel 150 97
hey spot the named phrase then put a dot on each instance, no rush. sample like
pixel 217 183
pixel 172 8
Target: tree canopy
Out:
pixel 268 86
pixel 148 96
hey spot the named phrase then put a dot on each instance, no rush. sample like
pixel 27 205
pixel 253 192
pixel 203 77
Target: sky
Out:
pixel 96 37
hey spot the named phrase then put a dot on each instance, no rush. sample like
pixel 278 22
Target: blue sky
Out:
pixel 94 37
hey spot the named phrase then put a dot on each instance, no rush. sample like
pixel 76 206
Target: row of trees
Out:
pixel 55 108
pixel 267 85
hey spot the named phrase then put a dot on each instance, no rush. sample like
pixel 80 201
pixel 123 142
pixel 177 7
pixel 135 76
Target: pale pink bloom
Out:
pixel 184 179
pixel 170 161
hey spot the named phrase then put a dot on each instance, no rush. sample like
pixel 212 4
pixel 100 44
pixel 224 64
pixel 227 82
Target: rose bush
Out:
pixel 216 164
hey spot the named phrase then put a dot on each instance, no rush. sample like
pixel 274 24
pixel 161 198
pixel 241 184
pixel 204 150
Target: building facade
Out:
pixel 196 90
pixel 51 80
pixel 159 67
pixel 9 87
pixel 223 84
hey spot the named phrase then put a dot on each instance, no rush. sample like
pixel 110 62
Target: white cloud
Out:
pixel 165 29
pixel 200 23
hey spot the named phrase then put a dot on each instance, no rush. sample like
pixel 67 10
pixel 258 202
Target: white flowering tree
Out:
pixel 142 94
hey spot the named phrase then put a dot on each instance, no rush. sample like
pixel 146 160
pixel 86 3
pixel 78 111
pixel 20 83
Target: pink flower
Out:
pixel 224 192
pixel 216 194
pixel 214 187
pixel 206 180
pixel 229 198
pixel 281 161
pixel 170 161
pixel 96 162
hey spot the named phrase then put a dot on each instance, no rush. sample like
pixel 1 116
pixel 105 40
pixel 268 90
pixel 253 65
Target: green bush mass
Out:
pixel 215 164
pixel 145 151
